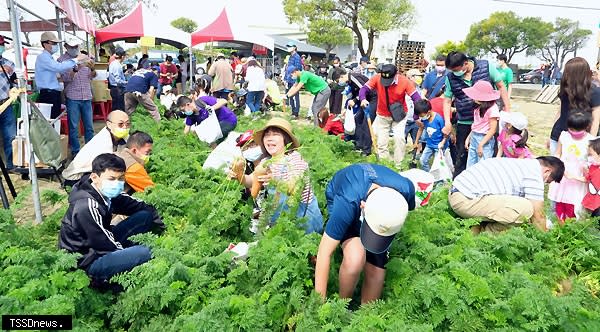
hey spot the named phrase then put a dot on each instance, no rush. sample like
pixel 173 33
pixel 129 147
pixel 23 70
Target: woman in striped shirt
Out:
pixel 285 165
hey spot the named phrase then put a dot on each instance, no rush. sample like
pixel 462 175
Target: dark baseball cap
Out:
pixel 388 73
pixel 364 59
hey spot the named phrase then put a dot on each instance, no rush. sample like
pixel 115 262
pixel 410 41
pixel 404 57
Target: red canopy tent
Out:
pixel 142 22
pixel 221 29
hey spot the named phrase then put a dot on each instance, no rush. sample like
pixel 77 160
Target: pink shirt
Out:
pixel 482 125
pixel 509 149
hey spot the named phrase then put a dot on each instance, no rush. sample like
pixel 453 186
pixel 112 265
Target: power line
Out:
pixel 547 5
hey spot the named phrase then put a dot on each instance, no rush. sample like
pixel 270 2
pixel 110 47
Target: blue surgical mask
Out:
pixel 188 113
pixel 343 83
pixel 112 188
pixel 2 49
pixel 252 154
pixel 54 49
pixel 459 73
pixel 424 118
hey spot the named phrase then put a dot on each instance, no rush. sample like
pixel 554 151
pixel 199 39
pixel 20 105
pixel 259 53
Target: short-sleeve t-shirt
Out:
pixel 224 114
pixel 509 146
pixel 397 92
pixel 165 69
pixel 507 75
pixel 481 125
pixel 434 82
pixel 561 124
pixel 312 83
pixel 349 186
pixel 434 131
pixel 141 81
pixel 502 176
pixel 495 76
pixel 437 105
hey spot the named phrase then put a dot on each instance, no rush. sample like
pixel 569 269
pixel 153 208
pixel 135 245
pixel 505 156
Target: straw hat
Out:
pixel 280 123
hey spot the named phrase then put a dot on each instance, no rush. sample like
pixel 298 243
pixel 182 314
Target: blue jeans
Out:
pixel 8 128
pixel 411 129
pixel 293 101
pixel 425 157
pixel 488 149
pixel 254 100
pixel 131 255
pixel 314 222
pixel 77 109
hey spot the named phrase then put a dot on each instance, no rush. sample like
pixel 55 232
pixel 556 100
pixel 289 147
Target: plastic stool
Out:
pixel 100 110
pixel 64 126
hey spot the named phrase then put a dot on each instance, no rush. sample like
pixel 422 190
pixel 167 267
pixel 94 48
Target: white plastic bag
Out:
pixel 209 130
pixel 349 123
pixel 224 153
pixel 441 169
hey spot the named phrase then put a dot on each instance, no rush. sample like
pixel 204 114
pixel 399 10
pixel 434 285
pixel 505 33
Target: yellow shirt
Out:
pixel 273 91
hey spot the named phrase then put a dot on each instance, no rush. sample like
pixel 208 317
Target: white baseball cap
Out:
pixel 72 42
pixel 516 119
pixel 423 182
pixel 383 216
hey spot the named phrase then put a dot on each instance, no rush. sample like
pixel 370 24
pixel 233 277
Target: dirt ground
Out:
pixel 540 122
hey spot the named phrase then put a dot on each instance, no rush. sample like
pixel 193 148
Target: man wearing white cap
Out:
pixel 367 206
pixel 46 70
pixel 78 92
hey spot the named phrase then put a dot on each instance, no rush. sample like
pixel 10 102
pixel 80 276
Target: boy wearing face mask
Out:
pixel 46 70
pixel 85 229
pixel 78 92
pixel 136 155
pixel 109 139
pixel 432 125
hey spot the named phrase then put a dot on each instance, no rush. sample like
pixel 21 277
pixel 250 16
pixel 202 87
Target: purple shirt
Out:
pixel 224 114
pixel 77 86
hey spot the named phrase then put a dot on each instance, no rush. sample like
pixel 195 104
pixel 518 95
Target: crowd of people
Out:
pixel 461 106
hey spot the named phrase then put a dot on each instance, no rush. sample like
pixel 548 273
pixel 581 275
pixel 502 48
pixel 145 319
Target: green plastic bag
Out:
pixel 43 137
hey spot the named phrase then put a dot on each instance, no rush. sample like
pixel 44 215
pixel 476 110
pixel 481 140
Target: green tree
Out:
pixel 365 18
pixel 107 12
pixel 185 24
pixel 507 33
pixel 448 47
pixel 328 33
pixel 566 39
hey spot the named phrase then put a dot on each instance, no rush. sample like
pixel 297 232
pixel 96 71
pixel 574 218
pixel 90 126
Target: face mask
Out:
pixel 459 73
pixel 336 64
pixel 252 154
pixel 120 132
pixel 424 118
pixel 2 49
pixel 73 51
pixel 440 69
pixel 188 113
pixel 418 80
pixel 54 49
pixel 146 158
pixel 343 83
pixel 112 188
pixel 577 134
pixel 592 161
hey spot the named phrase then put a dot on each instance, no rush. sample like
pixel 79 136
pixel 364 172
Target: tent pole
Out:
pixel 191 71
pixel 87 42
pixel 59 29
pixel 20 70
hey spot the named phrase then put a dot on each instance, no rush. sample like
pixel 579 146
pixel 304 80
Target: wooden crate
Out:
pixel 548 95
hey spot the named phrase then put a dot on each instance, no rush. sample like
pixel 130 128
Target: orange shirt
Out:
pixel 397 92
pixel 137 177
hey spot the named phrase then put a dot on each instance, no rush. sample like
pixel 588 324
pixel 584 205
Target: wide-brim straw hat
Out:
pixel 282 124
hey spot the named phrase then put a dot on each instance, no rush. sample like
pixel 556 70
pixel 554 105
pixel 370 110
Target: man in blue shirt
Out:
pixel 434 81
pixel 140 90
pixel 367 206
pixel 46 70
pixel 293 62
pixel 116 80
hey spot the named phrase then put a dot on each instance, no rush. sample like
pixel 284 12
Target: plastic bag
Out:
pixel 224 153
pixel 349 122
pixel 442 167
pixel 209 130
pixel 44 139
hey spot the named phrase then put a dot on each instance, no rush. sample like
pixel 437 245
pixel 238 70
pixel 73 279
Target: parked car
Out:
pixel 534 76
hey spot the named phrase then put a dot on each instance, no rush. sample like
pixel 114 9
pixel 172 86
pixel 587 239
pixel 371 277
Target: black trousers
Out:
pixel 460 163
pixel 54 97
pixel 118 98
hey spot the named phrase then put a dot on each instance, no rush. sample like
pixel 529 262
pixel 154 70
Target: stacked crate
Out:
pixel 409 55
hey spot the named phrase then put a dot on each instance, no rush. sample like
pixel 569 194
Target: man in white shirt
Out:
pixel 505 192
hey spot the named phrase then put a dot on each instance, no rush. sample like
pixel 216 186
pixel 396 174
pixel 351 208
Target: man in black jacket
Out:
pixel 86 227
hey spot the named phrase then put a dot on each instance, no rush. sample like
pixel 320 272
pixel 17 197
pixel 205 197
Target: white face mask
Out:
pixel 54 49
pixel 252 154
